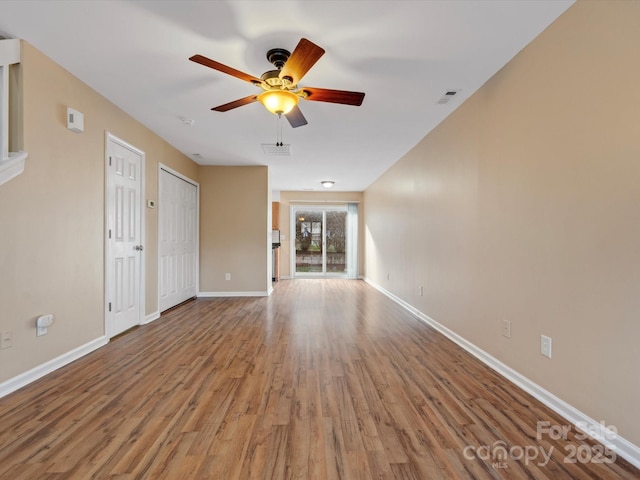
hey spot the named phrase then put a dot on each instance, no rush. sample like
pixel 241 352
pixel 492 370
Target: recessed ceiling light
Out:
pixel 327 183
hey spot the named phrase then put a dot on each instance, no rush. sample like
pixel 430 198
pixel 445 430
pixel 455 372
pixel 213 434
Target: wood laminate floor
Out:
pixel 325 379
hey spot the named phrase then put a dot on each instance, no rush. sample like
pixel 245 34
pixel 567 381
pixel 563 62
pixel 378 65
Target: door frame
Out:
pixel 108 273
pixel 292 230
pixel 175 173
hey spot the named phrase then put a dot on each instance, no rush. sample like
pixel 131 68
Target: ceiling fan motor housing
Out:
pixel 278 57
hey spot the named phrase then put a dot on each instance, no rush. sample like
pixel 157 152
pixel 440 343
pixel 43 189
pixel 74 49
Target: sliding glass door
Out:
pixel 321 241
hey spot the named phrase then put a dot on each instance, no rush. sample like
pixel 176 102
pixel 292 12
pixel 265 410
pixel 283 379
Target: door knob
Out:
pixel 138 248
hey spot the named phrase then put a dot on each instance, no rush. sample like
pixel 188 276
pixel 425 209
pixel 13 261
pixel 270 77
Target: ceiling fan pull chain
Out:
pixel 279 132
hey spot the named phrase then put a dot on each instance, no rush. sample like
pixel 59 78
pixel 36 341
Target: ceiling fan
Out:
pixel 281 93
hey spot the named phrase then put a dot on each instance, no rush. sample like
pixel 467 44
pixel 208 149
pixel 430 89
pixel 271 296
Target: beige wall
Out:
pixel 235 222
pixel 315 198
pixel 524 205
pixel 52 216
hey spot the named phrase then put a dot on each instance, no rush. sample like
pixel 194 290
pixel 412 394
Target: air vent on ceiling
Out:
pixel 448 95
pixel 274 150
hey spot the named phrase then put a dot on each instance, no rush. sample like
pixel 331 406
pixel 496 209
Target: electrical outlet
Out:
pixel 506 328
pixel 6 340
pixel 227 276
pixel 387 276
pixel 43 323
pixel 421 290
pixel 545 346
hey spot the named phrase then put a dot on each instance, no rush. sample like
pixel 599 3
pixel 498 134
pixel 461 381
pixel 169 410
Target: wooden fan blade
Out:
pixel 305 55
pixel 296 118
pixel 334 96
pixel 207 62
pixel 236 103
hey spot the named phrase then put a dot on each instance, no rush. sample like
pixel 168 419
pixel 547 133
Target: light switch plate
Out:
pixel 545 346
pixel 506 328
pixel 6 340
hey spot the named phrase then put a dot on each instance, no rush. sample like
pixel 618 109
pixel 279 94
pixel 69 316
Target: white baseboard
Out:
pixel 232 294
pixel 40 371
pixel 150 318
pixel 612 440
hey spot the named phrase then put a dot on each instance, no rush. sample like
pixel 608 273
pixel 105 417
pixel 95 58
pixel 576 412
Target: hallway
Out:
pixel 325 379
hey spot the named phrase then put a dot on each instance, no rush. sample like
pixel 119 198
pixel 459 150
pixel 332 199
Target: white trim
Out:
pixel 40 371
pixel 612 440
pixel 325 202
pixel 351 251
pixel 9 51
pixel 11 163
pixel 162 166
pixel 175 173
pixel 232 294
pixel 12 166
pixel 150 318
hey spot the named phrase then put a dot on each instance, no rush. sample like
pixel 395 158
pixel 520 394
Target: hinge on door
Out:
pixel 109 233
pixel 109 306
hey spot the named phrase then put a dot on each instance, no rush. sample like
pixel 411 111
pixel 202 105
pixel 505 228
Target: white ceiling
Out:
pixel 403 54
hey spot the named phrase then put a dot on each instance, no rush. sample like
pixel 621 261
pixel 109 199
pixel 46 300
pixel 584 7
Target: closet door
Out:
pixel 177 239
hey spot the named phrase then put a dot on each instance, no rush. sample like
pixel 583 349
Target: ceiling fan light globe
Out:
pixel 279 102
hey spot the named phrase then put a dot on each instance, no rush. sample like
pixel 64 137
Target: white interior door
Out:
pixel 124 302
pixel 178 238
